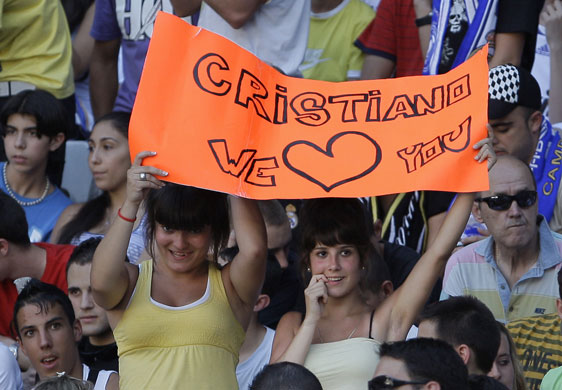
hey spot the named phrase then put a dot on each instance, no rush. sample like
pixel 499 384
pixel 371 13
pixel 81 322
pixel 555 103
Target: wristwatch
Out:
pixel 14 348
pixel 424 20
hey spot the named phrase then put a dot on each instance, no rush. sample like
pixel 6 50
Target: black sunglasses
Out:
pixel 382 382
pixel 503 202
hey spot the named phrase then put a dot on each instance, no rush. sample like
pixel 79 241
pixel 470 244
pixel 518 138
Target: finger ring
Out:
pixel 142 176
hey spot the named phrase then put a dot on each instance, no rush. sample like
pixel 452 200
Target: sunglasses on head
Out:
pixel 502 202
pixel 382 382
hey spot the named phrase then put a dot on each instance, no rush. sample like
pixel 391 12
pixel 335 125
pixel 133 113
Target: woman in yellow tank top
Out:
pixel 339 336
pixel 178 319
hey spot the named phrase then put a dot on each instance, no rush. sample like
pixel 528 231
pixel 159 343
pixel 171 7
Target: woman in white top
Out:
pixel 339 335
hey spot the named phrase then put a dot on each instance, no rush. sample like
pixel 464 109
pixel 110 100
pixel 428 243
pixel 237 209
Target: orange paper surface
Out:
pixel 221 119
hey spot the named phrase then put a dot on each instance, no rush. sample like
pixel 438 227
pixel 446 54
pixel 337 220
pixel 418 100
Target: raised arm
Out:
pixel 397 314
pixel 247 270
pixel 111 276
pixel 509 49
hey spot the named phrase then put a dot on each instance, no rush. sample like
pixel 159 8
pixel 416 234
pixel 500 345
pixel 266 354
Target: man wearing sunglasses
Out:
pixel 427 364
pixel 514 270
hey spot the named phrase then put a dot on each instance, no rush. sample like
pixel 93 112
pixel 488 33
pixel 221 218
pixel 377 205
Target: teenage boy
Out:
pixel 97 348
pixel 48 332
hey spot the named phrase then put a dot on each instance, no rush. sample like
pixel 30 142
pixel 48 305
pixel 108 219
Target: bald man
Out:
pixel 514 270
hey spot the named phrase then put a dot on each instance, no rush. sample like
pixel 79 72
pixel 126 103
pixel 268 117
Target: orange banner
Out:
pixel 221 119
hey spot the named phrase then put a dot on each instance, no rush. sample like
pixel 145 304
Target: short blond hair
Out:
pixel 63 382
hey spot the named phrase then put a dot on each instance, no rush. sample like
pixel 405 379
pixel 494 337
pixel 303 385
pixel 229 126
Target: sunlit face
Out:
pixel 180 250
pixel 278 240
pixel 49 340
pixel 26 149
pixel 502 370
pixel 109 157
pixel 513 135
pixel 91 316
pixel 340 264
pixel 515 227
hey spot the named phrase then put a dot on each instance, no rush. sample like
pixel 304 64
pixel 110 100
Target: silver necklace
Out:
pixel 13 195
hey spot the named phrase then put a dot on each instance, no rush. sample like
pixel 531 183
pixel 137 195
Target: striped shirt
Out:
pixel 473 271
pixel 538 341
pixel 393 35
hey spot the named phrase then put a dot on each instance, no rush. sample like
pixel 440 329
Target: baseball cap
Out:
pixel 510 86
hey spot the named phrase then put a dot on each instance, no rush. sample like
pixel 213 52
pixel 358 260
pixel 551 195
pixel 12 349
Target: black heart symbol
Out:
pixel 329 153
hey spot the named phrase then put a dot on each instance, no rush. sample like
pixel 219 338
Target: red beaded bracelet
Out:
pixel 132 220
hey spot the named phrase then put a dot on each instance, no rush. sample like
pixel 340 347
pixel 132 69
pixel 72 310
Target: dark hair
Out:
pixel 89 215
pixel 190 209
pixel 466 320
pixel 120 121
pixel 13 223
pixel 334 221
pixel 273 271
pixel 48 112
pixel 484 382
pixel 93 212
pixel 378 272
pixel 83 253
pixel 51 117
pixel 431 360
pixel 285 376
pixel 45 296
pixel 560 282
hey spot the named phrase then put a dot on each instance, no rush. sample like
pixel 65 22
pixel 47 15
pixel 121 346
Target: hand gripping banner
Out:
pixel 221 119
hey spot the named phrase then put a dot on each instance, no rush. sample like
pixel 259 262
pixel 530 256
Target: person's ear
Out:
pixel 4 247
pixel 559 307
pixel 262 302
pixel 432 385
pixel 56 141
pixel 387 288
pixel 77 329
pixel 464 352
pixel 534 123
pixel 476 212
